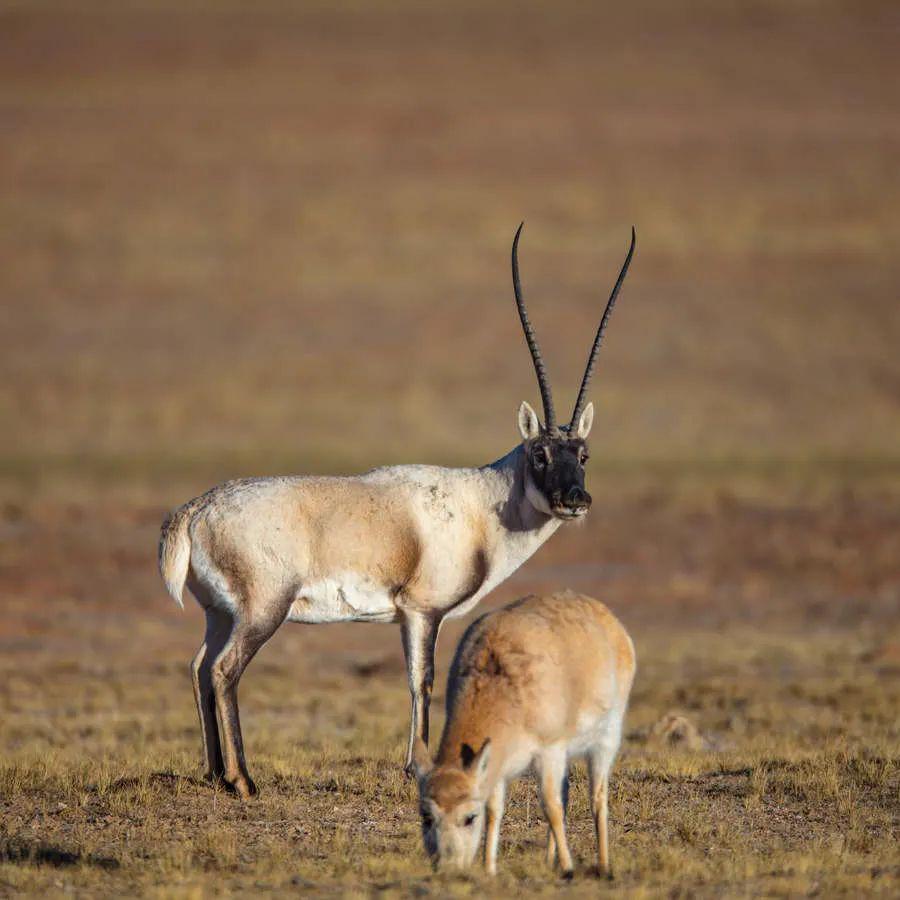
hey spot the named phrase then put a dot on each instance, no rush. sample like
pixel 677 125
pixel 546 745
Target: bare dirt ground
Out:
pixel 241 241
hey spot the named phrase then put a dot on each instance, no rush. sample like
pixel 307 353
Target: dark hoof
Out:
pixel 409 771
pixel 246 788
pixel 568 874
pixel 604 874
pixel 240 787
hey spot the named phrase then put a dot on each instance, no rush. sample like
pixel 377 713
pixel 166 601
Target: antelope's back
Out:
pixel 556 662
pixel 374 535
pixel 308 527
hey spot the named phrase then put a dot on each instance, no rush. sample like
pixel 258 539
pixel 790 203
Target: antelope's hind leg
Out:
pixel 218 628
pixel 599 765
pixel 551 841
pixel 248 633
pixel 553 775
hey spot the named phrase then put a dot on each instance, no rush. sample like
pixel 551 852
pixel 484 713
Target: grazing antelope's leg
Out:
pixel 218 627
pixel 551 841
pixel 553 774
pixel 246 637
pixel 419 633
pixel 494 816
pixel 600 763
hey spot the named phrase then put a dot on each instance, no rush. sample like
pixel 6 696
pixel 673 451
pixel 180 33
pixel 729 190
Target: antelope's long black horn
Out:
pixel 530 337
pixel 589 369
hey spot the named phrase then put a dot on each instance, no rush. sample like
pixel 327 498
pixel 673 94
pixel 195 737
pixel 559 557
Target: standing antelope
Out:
pixel 408 544
pixel 540 681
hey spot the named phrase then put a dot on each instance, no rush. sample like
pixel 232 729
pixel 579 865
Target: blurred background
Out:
pixel 236 240
pixel 248 239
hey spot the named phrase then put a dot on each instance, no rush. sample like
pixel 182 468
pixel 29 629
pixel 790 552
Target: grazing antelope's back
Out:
pixel 548 660
pixel 543 680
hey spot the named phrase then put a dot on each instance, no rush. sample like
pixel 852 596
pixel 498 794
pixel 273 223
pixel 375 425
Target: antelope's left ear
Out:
pixel 529 425
pixel 583 429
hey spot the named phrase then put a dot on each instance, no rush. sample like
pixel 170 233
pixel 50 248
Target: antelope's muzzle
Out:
pixel 577 499
pixel 574 504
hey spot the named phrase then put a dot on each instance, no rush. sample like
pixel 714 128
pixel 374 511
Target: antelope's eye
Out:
pixel 469 821
pixel 583 457
pixel 539 457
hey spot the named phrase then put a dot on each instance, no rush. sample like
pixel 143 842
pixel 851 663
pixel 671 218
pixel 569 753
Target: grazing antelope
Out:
pixel 539 682
pixel 407 544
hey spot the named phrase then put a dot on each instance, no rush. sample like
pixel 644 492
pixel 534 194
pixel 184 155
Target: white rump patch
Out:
pixel 597 731
pixel 345 597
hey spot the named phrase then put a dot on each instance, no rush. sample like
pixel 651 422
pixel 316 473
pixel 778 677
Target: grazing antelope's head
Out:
pixel 451 803
pixel 555 455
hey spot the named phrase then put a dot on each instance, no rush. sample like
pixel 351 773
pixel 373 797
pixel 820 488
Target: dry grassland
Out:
pixel 773 629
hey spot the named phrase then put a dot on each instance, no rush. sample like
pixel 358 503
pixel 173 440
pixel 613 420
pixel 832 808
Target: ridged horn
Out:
pixel 589 369
pixel 531 339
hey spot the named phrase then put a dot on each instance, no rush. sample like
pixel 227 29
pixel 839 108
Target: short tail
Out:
pixel 175 551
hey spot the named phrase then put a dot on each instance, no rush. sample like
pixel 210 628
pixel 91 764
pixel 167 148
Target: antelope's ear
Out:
pixel 477 765
pixel 422 761
pixel 583 428
pixel 529 426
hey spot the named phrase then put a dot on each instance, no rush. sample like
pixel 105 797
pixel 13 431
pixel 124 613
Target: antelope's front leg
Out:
pixel 493 816
pixel 420 633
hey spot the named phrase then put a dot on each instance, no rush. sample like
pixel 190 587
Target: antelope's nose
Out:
pixel 577 498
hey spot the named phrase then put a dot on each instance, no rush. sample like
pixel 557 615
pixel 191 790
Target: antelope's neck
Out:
pixel 521 526
pixel 510 528
pixel 475 720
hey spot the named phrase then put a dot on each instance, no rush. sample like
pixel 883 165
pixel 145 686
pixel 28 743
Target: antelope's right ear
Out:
pixel 478 764
pixel 583 428
pixel 422 761
pixel 529 425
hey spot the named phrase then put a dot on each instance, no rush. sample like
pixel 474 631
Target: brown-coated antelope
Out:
pixel 408 544
pixel 539 682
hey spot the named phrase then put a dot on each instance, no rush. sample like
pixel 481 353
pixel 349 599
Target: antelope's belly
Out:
pixel 342 598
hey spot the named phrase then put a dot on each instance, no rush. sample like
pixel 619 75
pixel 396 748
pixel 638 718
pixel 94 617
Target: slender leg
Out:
pixel 600 803
pixel 600 763
pixel 494 816
pixel 244 641
pixel 551 848
pixel 419 634
pixel 218 627
pixel 551 841
pixel 553 774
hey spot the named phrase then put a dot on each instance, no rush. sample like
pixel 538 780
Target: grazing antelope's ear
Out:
pixel 477 763
pixel 583 429
pixel 529 426
pixel 422 762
